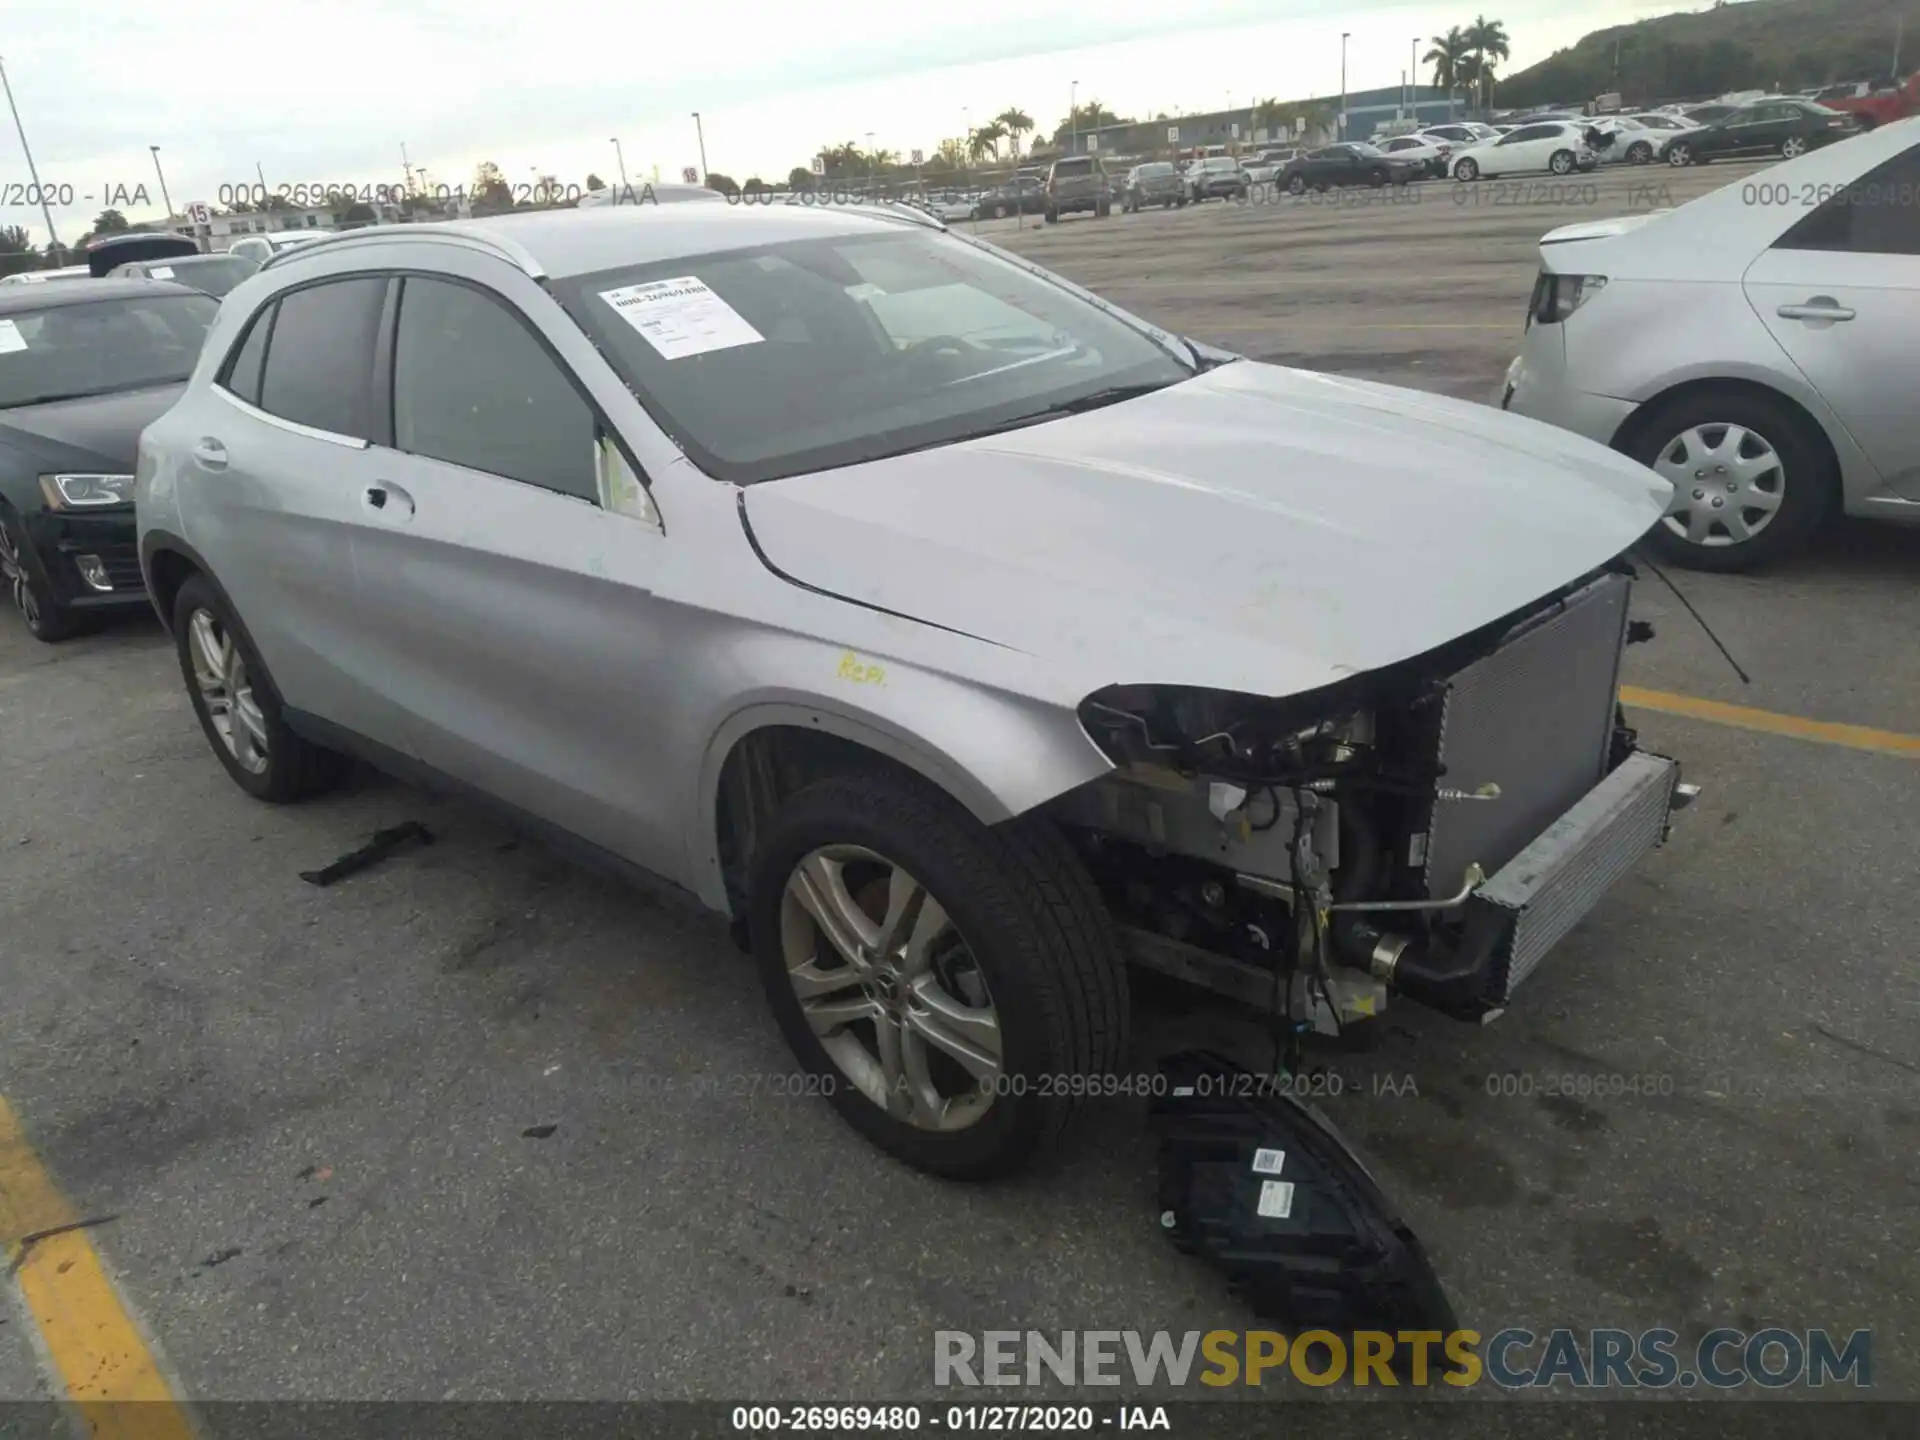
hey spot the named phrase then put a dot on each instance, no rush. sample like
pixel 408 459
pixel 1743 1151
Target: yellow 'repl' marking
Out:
pixel 104 1363
pixel 1820 732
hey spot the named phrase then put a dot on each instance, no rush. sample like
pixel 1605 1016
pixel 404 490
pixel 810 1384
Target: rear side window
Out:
pixel 1878 214
pixel 474 387
pixel 243 370
pixel 319 367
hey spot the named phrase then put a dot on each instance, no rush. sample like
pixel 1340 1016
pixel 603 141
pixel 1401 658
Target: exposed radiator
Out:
pixel 1535 718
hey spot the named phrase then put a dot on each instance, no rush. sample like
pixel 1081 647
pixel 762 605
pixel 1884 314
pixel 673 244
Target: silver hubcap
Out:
pixel 1728 484
pixel 13 570
pixel 227 691
pixel 893 992
pixel 1793 147
pixel 1562 164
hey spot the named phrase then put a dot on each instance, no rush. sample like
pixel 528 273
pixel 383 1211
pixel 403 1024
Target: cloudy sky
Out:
pixel 328 93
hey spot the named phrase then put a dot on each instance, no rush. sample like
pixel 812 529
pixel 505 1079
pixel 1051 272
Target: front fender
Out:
pixel 998 754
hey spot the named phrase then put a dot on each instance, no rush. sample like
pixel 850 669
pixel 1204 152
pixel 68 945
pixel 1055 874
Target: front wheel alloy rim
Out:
pixel 1728 484
pixel 893 992
pixel 227 691
pixel 13 570
pixel 1793 147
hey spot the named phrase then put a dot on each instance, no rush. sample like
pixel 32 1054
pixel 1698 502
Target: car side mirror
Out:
pixel 622 491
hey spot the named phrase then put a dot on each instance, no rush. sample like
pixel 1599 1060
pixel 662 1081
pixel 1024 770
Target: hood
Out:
pixel 1254 528
pixel 99 432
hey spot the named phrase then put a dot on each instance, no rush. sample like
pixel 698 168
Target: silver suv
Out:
pixel 779 553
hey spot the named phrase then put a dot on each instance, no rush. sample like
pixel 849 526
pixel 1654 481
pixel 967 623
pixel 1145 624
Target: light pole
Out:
pixel 1073 116
pixel 1413 80
pixel 46 211
pixel 700 131
pixel 1345 35
pixel 165 199
pixel 621 159
pixel 869 164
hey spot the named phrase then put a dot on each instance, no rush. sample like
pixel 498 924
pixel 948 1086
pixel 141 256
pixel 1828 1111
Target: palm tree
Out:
pixel 1445 56
pixel 1014 122
pixel 986 140
pixel 952 153
pixel 1268 114
pixel 1488 41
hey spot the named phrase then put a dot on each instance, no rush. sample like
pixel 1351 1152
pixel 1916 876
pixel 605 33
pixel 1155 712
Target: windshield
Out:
pixel 100 346
pixel 1147 172
pixel 818 353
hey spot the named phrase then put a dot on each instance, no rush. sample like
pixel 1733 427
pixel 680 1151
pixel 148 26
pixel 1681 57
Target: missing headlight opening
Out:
pixel 1430 829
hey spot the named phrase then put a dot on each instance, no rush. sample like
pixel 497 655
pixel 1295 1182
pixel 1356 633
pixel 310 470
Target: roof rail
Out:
pixel 453 233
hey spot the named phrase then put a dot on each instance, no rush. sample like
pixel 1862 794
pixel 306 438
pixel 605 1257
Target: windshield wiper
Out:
pixel 1099 399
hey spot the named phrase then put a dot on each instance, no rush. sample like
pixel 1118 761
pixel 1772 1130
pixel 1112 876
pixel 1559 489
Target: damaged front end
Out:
pixel 1431 828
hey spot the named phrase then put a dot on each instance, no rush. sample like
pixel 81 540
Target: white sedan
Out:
pixel 1556 147
pixel 1431 150
pixel 1757 355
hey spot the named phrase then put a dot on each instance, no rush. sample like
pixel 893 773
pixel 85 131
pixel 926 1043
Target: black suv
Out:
pixel 1078 182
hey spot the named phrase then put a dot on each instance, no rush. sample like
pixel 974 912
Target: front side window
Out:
pixel 811 354
pixel 101 346
pixel 319 364
pixel 473 386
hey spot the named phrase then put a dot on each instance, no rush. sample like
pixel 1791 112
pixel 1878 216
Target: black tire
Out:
pixel 1679 154
pixel 1793 147
pixel 1052 217
pixel 1000 212
pixel 1376 178
pixel 1296 184
pixel 1808 485
pixel 1639 153
pixel 29 591
pixel 1466 170
pixel 295 768
pixel 1034 925
pixel 1563 162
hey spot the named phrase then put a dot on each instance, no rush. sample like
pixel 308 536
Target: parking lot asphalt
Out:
pixel 434 1132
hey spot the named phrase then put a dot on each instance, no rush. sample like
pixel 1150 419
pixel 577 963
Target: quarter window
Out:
pixel 320 370
pixel 243 371
pixel 472 386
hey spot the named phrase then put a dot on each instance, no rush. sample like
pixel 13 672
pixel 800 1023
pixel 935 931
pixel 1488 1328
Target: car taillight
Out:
pixel 1555 297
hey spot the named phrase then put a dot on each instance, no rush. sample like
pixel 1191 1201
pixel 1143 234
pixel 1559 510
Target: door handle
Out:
pixel 390 500
pixel 210 453
pixel 1820 307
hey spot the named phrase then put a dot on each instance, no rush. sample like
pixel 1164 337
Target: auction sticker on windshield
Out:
pixel 10 338
pixel 681 317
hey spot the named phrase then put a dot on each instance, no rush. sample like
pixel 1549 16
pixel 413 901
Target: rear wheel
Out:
pixel 1750 482
pixel 1296 184
pixel 238 709
pixel 1376 178
pixel 941 981
pixel 1793 147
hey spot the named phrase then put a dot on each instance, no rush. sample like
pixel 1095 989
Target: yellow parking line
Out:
pixel 109 1372
pixel 1820 732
